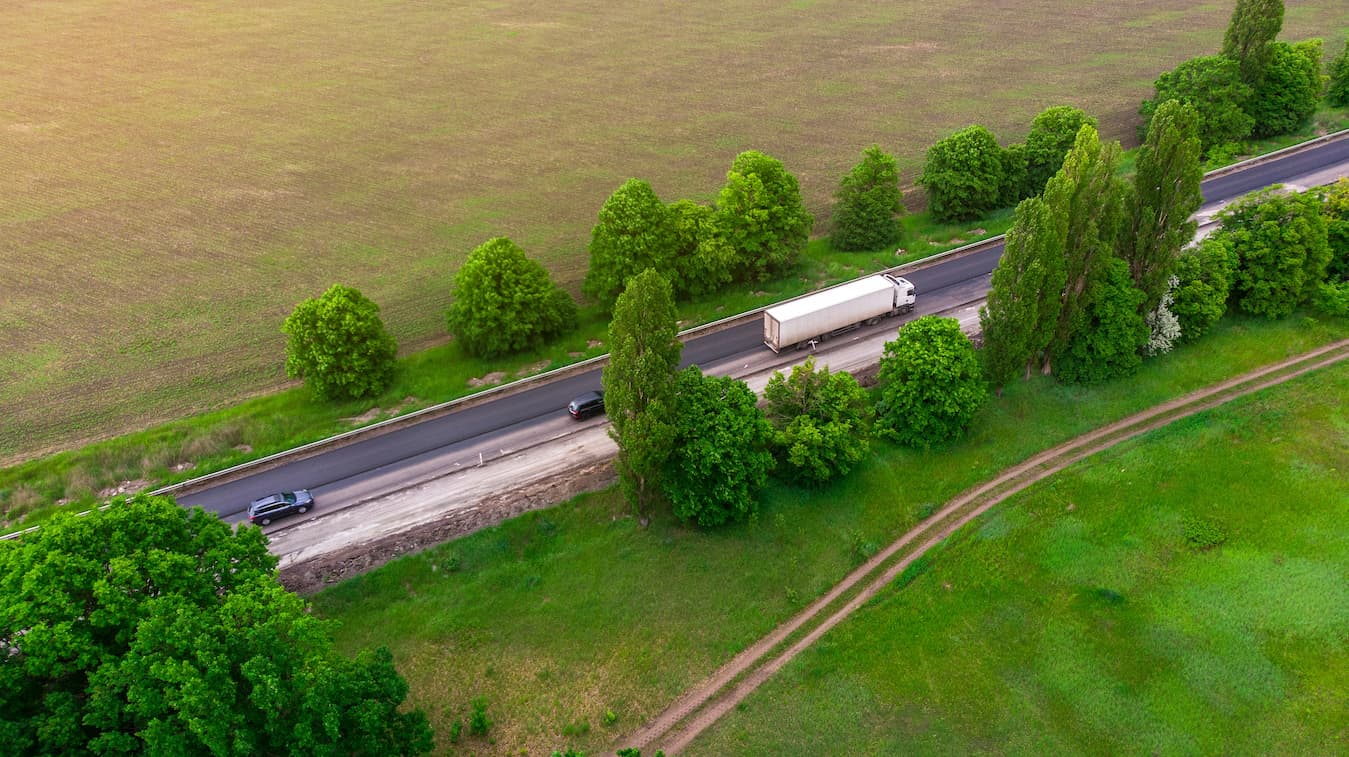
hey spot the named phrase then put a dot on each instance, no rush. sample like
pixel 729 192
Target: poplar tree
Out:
pixel 1088 200
pixel 1021 313
pixel 639 384
pixel 1254 24
pixel 1166 194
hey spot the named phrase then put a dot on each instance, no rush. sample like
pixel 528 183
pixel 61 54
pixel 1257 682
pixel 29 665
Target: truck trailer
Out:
pixel 816 317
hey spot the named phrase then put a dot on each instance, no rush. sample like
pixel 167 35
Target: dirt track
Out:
pixel 700 707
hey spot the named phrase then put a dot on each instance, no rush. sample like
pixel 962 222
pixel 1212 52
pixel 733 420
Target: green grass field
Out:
pixel 1077 619
pixel 564 615
pixel 175 178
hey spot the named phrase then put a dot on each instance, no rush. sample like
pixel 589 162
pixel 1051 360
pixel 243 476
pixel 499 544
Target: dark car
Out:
pixel 588 404
pixel 267 509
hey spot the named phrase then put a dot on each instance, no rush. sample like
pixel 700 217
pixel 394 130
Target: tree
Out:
pixel 703 259
pixel 1087 201
pixel 1254 25
pixel 147 628
pixel 504 302
pixel 869 204
pixel 760 214
pixel 1337 94
pixel 1281 247
pixel 1290 89
pixel 1109 330
pixel 339 346
pixel 1021 313
pixel 720 455
pixel 821 422
pixel 634 233
pixel 930 384
pixel 1015 186
pixel 1166 194
pixel 963 175
pixel 1204 277
pixel 639 384
pixel 1052 135
pixel 1335 211
pixel 1212 85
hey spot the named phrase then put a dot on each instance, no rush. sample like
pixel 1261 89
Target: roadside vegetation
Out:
pixel 1182 593
pixel 562 616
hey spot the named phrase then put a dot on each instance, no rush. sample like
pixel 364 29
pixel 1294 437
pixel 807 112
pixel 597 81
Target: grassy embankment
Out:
pixel 1078 619
pixel 564 615
pixel 186 217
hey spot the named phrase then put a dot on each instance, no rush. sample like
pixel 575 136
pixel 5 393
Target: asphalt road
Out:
pixel 947 281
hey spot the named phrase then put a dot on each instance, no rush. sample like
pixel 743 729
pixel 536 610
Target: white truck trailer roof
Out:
pixel 830 297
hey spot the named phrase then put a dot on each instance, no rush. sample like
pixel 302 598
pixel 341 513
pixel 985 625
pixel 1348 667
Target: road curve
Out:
pixel 477 425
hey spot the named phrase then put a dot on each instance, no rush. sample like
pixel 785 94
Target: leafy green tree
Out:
pixel 930 383
pixel 1109 331
pixel 639 384
pixel 964 175
pixel 1335 210
pixel 635 232
pixel 1212 85
pixel 1052 135
pixel 1205 278
pixel 869 203
pixel 721 454
pixel 339 346
pixel 1088 201
pixel 1021 313
pixel 1166 194
pixel 703 258
pixel 147 628
pixel 1290 89
pixel 821 422
pixel 504 302
pixel 1253 27
pixel 1281 247
pixel 761 216
pixel 1337 94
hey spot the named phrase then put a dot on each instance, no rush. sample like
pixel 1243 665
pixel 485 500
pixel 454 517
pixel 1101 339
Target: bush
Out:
pixel 869 204
pixel 1332 299
pixel 1337 94
pixel 1202 535
pixel 339 346
pixel 1282 250
pixel 821 423
pixel 1290 90
pixel 504 302
pixel 964 175
pixel 930 383
pixel 1109 332
pixel 1213 85
pixel 1204 276
pixel 478 724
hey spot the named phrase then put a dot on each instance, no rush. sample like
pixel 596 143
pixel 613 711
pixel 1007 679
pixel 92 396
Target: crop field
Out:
pixel 563 616
pixel 1094 613
pixel 174 178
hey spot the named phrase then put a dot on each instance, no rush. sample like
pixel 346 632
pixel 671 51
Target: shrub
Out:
pixel 930 383
pixel 1338 92
pixel 478 724
pixel 963 175
pixel 1202 535
pixel 1204 278
pixel 1290 90
pixel 1282 250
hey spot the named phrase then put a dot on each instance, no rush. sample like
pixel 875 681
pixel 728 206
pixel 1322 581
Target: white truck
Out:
pixel 816 317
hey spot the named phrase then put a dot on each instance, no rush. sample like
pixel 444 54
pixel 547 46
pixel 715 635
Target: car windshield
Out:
pixel 289 498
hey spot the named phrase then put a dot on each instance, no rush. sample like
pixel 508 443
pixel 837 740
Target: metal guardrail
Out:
pixel 529 382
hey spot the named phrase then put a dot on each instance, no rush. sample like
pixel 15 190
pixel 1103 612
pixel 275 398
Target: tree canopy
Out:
pixel 703 259
pixel 634 232
pixel 504 302
pixel 720 456
pixel 1108 331
pixel 639 384
pixel 964 175
pixel 147 628
pixel 761 216
pixel 1281 247
pixel 1337 94
pixel 930 383
pixel 1212 85
pixel 1289 91
pixel 1051 136
pixel 1166 194
pixel 1253 27
pixel 1205 278
pixel 339 346
pixel 869 203
pixel 1335 210
pixel 821 422
pixel 1021 313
